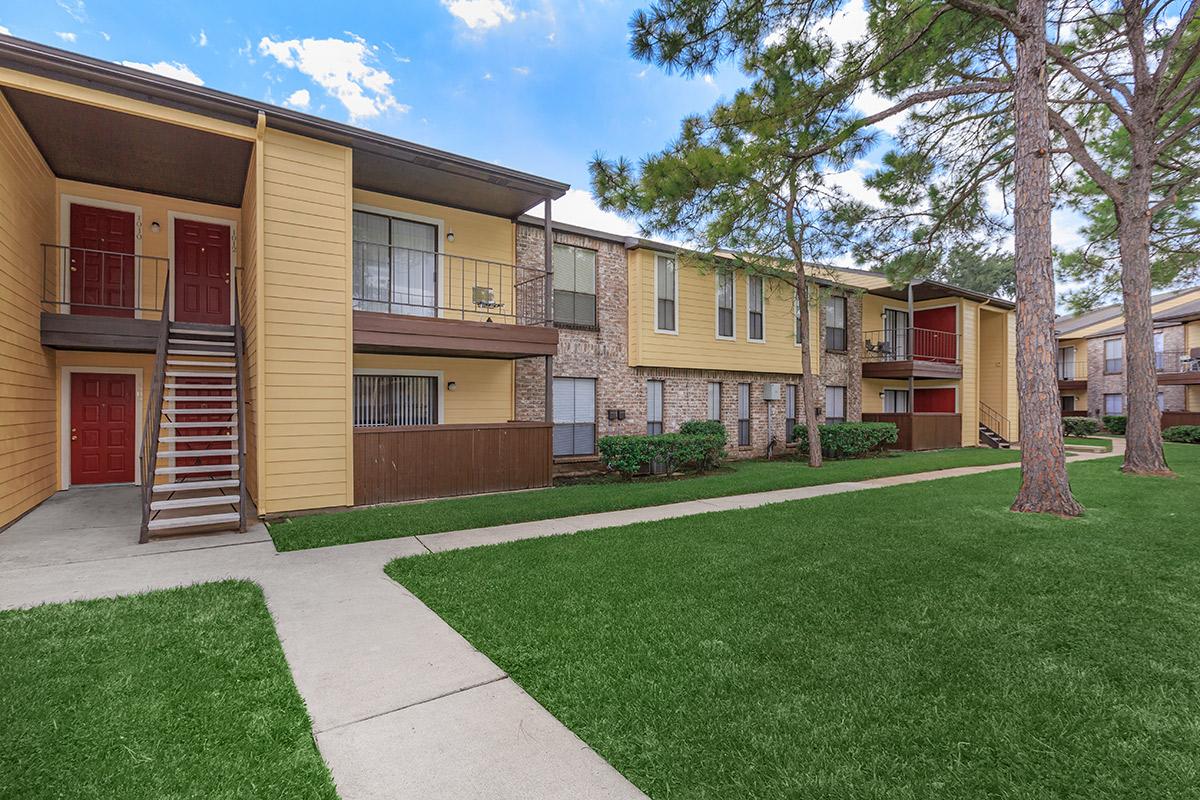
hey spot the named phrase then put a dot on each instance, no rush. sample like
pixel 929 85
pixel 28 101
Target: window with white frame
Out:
pixel 743 415
pixel 395 400
pixel 835 323
pixel 714 400
pixel 835 404
pixel 654 407
pixel 1114 404
pixel 574 286
pixel 574 416
pixel 1066 363
pixel 1114 356
pixel 395 265
pixel 726 295
pixel 895 401
pixel 754 308
pixel 791 397
pixel 1160 357
pixel 667 294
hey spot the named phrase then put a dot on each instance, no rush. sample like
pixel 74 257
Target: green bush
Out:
pixel 1114 424
pixel 848 439
pixel 704 427
pixel 1080 426
pixel 630 454
pixel 1183 434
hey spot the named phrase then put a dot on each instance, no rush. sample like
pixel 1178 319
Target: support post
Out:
pixel 909 351
pixel 548 236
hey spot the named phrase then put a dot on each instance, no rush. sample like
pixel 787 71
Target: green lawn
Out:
pixel 1090 441
pixel 435 516
pixel 919 641
pixel 172 694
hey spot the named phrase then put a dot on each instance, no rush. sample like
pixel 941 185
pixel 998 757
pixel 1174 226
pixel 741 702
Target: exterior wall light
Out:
pixel 155 227
pixel 451 386
pixel 450 236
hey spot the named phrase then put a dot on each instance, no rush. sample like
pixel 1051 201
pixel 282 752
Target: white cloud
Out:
pixel 578 207
pixel 853 182
pixel 342 67
pixel 487 76
pixel 5 31
pixel 709 80
pixel 298 99
pixel 107 38
pixel 521 70
pixel 66 36
pixel 480 14
pixel 202 38
pixel 75 8
pixel 173 69
pixel 867 102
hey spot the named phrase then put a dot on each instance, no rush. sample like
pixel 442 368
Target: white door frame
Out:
pixel 65 201
pixel 172 216
pixel 65 416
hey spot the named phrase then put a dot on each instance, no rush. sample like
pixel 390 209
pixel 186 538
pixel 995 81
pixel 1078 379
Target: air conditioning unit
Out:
pixel 771 391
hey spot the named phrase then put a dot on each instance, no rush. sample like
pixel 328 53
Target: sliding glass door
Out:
pixel 395 265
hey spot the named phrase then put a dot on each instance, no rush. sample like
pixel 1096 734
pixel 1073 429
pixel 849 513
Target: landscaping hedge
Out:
pixel 704 427
pixel 630 454
pixel 1182 434
pixel 1080 426
pixel 848 439
pixel 1114 424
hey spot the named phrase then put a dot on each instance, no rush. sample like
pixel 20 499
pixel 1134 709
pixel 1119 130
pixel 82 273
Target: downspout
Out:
pixel 909 347
pixel 548 312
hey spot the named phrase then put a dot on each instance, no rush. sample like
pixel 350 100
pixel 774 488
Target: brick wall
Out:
pixel 1099 384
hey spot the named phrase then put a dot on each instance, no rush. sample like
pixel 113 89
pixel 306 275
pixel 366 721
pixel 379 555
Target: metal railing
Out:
pixel 995 421
pixel 79 280
pixel 152 426
pixel 912 344
pixel 400 280
pixel 1173 361
pixel 1072 370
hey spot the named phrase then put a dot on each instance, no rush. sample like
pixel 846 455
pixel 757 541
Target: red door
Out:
pixel 933 401
pixel 201 272
pixel 934 334
pixel 103 419
pixel 101 262
pixel 221 425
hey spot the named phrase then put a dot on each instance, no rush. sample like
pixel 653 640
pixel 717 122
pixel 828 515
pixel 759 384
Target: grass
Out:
pixel 918 641
pixel 1090 441
pixel 435 516
pixel 177 693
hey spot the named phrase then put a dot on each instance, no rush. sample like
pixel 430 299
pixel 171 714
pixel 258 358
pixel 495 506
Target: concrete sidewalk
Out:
pixel 402 706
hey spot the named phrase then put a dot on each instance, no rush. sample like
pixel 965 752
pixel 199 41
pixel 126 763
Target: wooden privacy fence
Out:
pixel 923 431
pixel 1172 418
pixel 419 461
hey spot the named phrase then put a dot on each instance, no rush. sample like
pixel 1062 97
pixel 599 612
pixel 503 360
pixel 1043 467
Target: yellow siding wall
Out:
pixel 968 395
pixel 1193 340
pixel 1010 366
pixel 27 416
pixel 1080 346
pixel 305 332
pixel 993 353
pixel 483 390
pixel 872 403
pixel 250 278
pixel 695 345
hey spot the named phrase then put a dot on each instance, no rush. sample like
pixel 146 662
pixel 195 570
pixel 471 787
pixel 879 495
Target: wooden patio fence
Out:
pixel 923 431
pixel 1172 418
pixel 420 461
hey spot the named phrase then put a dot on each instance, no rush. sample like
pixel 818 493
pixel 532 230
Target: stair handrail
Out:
pixel 153 421
pixel 994 420
pixel 239 360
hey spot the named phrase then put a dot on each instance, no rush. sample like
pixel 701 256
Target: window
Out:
pixel 726 293
pixel 1114 404
pixel 1159 355
pixel 1068 404
pixel 714 400
pixel 835 323
pixel 895 335
pixel 1066 363
pixel 835 403
pixel 654 407
pixel 1161 399
pixel 574 286
pixel 393 400
pixel 895 401
pixel 574 416
pixel 667 292
pixel 1114 356
pixel 395 265
pixel 754 308
pixel 743 415
pixel 789 421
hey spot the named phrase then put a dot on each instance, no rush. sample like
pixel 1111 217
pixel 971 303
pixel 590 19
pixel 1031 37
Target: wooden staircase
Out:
pixel 193 479
pixel 993 428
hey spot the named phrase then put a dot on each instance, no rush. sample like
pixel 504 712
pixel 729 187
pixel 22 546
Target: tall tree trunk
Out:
pixel 1143 429
pixel 807 379
pixel 1044 483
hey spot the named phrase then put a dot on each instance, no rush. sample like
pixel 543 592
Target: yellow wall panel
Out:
pixel 483 391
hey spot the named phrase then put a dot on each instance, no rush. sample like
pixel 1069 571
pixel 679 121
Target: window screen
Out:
pixel 574 286
pixel 654 407
pixel 835 403
pixel 755 308
pixel 725 301
pixel 574 416
pixel 743 414
pixel 835 323
pixel 1114 355
pixel 390 400
pixel 789 421
pixel 714 400
pixel 1114 404
pixel 665 307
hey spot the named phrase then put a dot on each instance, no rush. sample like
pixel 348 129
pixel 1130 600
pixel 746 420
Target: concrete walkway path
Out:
pixel 402 706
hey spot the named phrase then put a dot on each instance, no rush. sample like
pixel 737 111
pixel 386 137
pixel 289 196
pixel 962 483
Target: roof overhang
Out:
pixel 936 290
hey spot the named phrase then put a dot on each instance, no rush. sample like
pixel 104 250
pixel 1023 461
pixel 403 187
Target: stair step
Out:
pixel 216 412
pixel 171 373
pixel 196 502
pixel 176 362
pixel 202 520
pixel 199 386
pixel 205 342
pixel 195 453
pixel 223 438
pixel 177 352
pixel 222 331
pixel 192 486
pixel 196 470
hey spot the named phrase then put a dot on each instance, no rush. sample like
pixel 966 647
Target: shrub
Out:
pixel 1114 424
pixel 704 427
pixel 1183 434
pixel 848 439
pixel 629 454
pixel 1080 426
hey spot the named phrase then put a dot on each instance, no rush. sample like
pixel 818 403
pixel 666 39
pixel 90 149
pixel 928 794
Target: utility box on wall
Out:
pixel 771 391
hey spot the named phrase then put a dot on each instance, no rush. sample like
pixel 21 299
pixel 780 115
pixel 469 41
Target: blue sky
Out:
pixel 537 85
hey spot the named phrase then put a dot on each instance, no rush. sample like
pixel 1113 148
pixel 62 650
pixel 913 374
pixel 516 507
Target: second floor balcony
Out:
pixel 912 353
pixel 1072 372
pixel 1178 367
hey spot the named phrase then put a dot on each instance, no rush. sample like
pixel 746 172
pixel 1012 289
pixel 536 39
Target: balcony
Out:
pixel 912 353
pixel 417 302
pixel 101 300
pixel 1178 367
pixel 1072 374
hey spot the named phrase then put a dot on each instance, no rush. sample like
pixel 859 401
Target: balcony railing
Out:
pixel 82 281
pixel 419 283
pixel 912 344
pixel 1072 369
pixel 1175 361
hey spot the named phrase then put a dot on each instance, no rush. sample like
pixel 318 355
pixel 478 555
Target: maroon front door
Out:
pixel 101 261
pixel 202 272
pixel 933 401
pixel 103 419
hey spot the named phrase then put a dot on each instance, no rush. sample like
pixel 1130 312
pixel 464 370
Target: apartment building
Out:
pixel 1091 358
pixel 245 310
